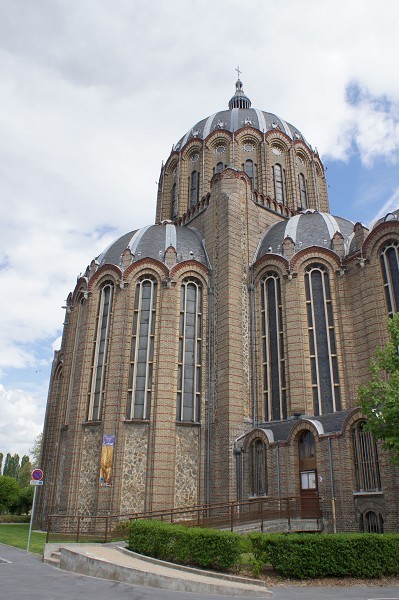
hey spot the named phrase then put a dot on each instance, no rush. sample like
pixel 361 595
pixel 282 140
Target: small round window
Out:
pixel 220 149
pixel 248 147
pixel 194 157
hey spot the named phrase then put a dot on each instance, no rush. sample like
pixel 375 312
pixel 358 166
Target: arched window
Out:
pixel 99 362
pixel 219 167
pixel 76 344
pixel 390 271
pixel 258 468
pixel 194 188
pixel 250 169
pixel 274 384
pixel 189 358
pixel 142 350
pixel 367 467
pixel 278 183
pixel 372 522
pixel 307 471
pixel 173 202
pixel 303 191
pixel 322 346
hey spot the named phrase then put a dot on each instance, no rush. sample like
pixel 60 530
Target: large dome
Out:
pixel 240 114
pixel 152 242
pixel 310 228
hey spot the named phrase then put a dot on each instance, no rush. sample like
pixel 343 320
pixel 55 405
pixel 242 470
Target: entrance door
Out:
pixel 308 474
pixel 309 495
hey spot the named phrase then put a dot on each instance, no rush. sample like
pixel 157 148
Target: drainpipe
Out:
pixel 278 471
pixel 334 517
pixel 209 408
pixel 251 289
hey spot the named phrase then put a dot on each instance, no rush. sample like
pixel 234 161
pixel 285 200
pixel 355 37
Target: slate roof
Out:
pixel 152 242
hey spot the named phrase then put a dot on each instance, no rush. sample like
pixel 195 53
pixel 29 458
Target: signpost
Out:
pixel 37 480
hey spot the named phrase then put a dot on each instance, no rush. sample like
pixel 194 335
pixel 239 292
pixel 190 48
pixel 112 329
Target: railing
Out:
pixel 229 515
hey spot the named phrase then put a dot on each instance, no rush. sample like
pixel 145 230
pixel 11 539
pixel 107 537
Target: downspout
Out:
pixel 203 168
pixel 251 289
pixel 162 190
pixel 209 407
pixel 265 161
pixel 334 517
pixel 278 471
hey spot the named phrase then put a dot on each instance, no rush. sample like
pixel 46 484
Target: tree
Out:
pixel 9 492
pixel 11 465
pixel 379 398
pixel 1 461
pixel 36 451
pixel 25 472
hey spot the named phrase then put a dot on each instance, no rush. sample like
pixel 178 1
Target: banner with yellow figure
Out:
pixel 107 454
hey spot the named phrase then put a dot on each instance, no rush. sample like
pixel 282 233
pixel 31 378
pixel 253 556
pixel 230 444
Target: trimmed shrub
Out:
pixel 335 555
pixel 14 518
pixel 185 545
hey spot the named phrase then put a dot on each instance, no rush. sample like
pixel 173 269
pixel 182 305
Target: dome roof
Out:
pixel 391 216
pixel 240 114
pixel 310 228
pixel 152 242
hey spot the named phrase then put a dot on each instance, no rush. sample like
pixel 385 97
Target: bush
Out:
pixel 14 518
pixel 339 555
pixel 186 545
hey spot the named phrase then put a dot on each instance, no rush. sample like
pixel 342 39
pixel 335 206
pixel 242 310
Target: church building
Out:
pixel 215 355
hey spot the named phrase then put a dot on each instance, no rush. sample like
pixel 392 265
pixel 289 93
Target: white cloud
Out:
pixel 21 420
pixel 93 94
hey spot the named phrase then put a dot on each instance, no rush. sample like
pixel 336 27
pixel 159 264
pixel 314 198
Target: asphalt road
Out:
pixel 25 577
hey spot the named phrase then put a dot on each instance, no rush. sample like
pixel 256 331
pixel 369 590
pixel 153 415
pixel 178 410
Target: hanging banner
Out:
pixel 107 454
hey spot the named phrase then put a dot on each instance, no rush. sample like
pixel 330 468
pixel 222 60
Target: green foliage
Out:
pixel 36 451
pixel 186 545
pixel 9 492
pixel 14 518
pixel 11 466
pixel 336 555
pixel 25 473
pixel 1 462
pixel 379 398
pixel 23 503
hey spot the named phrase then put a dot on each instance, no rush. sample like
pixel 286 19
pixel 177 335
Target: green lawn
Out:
pixel 16 534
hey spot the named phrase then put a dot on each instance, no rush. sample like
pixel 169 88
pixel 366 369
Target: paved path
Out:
pixel 25 577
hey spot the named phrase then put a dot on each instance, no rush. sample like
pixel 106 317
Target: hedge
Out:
pixel 328 555
pixel 185 545
pixel 14 518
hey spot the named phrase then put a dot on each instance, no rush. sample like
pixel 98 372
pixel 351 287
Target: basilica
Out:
pixel 215 355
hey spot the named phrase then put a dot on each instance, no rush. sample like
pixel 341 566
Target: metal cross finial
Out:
pixel 238 72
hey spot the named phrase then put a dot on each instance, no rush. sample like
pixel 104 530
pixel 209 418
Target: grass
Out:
pixel 16 534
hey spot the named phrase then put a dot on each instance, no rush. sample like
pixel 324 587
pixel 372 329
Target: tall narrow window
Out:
pixel 173 203
pixel 278 183
pixel 76 343
pixel 322 346
pixel 274 385
pixel 390 271
pixel 219 167
pixel 189 359
pixel 142 350
pixel 258 468
pixel 99 362
pixel 303 191
pixel 194 188
pixel 367 467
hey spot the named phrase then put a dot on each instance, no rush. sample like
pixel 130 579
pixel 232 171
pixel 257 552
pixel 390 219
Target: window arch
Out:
pixel 100 351
pixel 278 174
pixel 372 522
pixel 322 345
pixel 173 202
pixel 258 468
pixel 366 461
pixel 142 350
pixel 219 167
pixel 190 351
pixel 194 188
pixel 303 190
pixel 274 381
pixel 250 169
pixel 389 258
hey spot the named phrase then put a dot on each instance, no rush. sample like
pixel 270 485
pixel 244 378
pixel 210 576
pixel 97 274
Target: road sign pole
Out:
pixel 31 517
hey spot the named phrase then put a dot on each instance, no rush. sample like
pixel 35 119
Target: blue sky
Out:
pixel 93 94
